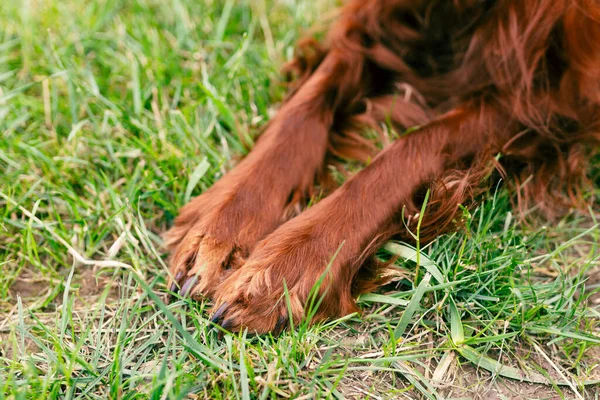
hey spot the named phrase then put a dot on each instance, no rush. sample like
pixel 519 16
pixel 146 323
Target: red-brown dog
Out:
pixel 479 77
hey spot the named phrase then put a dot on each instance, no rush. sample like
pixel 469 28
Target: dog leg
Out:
pixel 365 209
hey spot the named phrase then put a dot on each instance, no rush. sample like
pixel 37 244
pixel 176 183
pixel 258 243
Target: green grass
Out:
pixel 114 112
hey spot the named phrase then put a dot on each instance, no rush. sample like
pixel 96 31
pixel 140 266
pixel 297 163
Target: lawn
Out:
pixel 114 113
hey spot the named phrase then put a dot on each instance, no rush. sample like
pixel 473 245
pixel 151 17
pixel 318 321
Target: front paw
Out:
pixel 200 263
pixel 278 281
pixel 249 299
pixel 204 245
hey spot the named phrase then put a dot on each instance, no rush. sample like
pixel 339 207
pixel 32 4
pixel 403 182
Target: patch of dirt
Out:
pixel 45 295
pixel 28 287
pixel 41 294
pixel 86 283
pixel 91 284
pixel 470 382
pixel 10 352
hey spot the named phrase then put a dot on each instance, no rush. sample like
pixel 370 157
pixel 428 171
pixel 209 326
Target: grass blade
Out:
pixel 456 327
pixel 380 298
pixel 198 173
pixel 572 335
pixel 409 253
pixel 412 307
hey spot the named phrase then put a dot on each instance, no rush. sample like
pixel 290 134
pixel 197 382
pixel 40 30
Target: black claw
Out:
pixel 188 285
pixel 280 325
pixel 219 313
pixel 175 283
pixel 228 323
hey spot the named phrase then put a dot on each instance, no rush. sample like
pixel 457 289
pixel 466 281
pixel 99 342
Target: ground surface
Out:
pixel 113 113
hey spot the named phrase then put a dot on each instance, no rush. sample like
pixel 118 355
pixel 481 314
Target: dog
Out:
pixel 510 86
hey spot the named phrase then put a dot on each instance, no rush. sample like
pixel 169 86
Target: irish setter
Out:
pixel 505 85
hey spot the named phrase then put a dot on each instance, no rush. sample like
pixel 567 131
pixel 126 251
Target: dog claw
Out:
pixel 227 324
pixel 175 283
pixel 219 313
pixel 280 325
pixel 188 285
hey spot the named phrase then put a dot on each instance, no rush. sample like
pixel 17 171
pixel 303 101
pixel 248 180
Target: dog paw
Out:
pixel 280 278
pixel 211 237
pixel 202 262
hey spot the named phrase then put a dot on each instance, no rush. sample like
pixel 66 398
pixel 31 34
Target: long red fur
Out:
pixel 480 78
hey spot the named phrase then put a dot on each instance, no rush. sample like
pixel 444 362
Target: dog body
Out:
pixel 478 78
